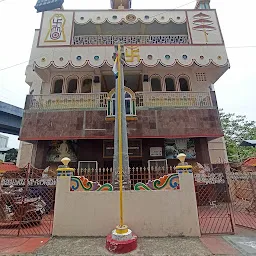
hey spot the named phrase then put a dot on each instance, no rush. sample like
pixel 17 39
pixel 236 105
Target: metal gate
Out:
pixel 214 204
pixel 242 186
pixel 27 203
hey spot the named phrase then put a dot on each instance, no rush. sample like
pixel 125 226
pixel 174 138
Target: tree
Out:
pixel 11 155
pixel 236 129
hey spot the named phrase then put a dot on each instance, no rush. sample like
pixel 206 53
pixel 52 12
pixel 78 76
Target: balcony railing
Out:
pixel 98 101
pixel 173 99
pixel 67 101
pixel 130 39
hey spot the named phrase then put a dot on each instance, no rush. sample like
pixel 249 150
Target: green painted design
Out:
pixel 78 183
pixel 83 184
pixel 167 182
pixel 157 183
pixel 106 187
pixel 141 186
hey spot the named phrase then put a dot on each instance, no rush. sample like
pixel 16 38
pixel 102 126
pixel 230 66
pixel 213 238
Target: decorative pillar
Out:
pixel 65 170
pixel 183 167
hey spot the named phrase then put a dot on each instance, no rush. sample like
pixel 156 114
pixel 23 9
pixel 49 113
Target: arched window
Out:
pixel 184 86
pixel 156 84
pixel 129 105
pixel 72 85
pixel 169 84
pixel 86 86
pixel 57 86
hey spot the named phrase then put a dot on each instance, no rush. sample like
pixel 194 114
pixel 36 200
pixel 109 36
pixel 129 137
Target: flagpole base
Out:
pixel 121 240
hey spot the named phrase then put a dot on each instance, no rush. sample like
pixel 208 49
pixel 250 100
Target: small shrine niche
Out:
pixel 121 4
pixel 203 4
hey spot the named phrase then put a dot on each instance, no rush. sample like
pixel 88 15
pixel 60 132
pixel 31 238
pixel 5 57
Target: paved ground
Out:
pixel 147 247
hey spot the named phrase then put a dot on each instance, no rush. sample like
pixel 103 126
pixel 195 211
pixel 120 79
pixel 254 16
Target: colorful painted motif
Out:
pixel 174 147
pixel 184 169
pixel 167 182
pixel 131 53
pixel 60 149
pixel 83 184
pixel 56 31
pixel 203 23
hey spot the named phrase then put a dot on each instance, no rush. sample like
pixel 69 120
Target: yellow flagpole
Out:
pixel 119 84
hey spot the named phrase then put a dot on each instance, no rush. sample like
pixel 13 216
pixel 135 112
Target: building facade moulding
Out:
pixel 115 17
pixel 184 56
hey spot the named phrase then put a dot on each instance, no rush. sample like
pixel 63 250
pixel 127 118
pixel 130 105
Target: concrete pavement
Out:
pixel 146 247
pixel 244 243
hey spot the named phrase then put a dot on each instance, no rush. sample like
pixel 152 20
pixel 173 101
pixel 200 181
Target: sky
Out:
pixel 235 89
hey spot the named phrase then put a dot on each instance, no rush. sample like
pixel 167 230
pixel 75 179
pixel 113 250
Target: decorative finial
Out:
pixel 182 166
pixel 65 161
pixel 182 158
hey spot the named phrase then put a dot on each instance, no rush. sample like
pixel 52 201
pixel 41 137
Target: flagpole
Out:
pixel 122 237
pixel 120 151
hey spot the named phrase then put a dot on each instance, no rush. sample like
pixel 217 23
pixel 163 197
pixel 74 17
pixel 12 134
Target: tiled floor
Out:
pixel 21 245
pixel 217 246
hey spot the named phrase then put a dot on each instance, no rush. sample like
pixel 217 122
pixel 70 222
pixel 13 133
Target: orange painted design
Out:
pixel 85 182
pixel 105 189
pixel 162 180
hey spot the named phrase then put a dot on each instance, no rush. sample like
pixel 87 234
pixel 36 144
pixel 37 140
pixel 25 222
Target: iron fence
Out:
pixel 242 187
pixel 26 203
pixel 226 197
pixel 214 203
pixel 137 174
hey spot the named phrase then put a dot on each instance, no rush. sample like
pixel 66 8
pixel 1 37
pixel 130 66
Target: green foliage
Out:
pixel 236 129
pixel 11 155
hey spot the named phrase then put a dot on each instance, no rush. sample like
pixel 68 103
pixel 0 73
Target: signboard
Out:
pixel 156 151
pixel 134 148
pixel 31 182
pixel 46 5
pixel 173 148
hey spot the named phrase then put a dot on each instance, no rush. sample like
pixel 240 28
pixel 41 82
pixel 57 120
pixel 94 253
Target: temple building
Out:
pixel 173 58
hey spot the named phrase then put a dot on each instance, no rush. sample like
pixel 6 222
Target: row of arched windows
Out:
pixel 74 85
pixel 170 84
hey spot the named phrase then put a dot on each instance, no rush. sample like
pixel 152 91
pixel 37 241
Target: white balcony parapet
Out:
pixel 130 39
pixel 173 99
pixel 98 101
pixel 67 101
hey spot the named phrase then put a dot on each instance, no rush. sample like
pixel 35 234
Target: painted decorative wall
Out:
pixel 57 30
pixel 57 26
pixel 204 27
pixel 149 56
pixel 174 147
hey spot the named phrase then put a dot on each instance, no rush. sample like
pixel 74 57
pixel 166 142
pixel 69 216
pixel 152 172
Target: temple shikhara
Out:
pixel 173 58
